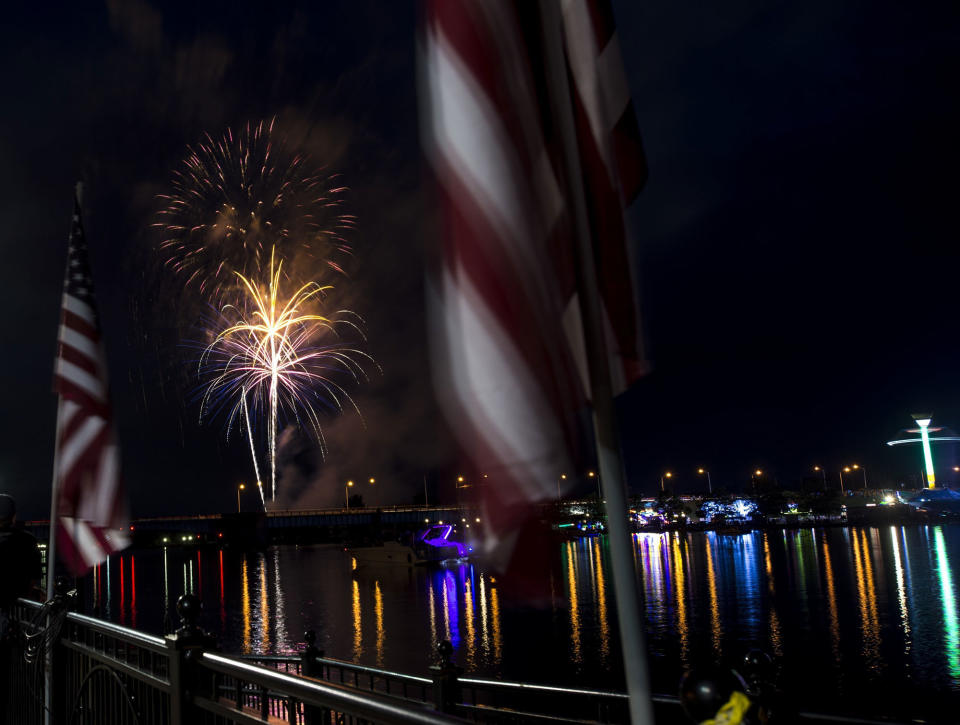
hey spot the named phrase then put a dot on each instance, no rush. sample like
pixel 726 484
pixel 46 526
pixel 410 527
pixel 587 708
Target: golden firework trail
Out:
pixel 235 196
pixel 279 358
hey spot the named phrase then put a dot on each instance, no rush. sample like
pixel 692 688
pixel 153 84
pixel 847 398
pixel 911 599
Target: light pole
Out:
pixel 460 485
pixel 239 489
pixel 346 493
pixel 856 467
pixel 753 478
pixel 823 474
pixel 591 474
pixel 665 475
pixel 374 499
pixel 702 471
pixel 845 469
pixel 563 477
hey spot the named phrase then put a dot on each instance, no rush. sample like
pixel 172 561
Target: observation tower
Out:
pixel 924 438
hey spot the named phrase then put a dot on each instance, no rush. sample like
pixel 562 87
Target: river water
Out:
pixel 862 620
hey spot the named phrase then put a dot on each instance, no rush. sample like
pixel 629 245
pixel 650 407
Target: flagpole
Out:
pixel 612 478
pixel 52 537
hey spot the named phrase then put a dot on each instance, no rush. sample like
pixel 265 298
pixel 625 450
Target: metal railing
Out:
pixel 474 698
pixel 497 701
pixel 107 674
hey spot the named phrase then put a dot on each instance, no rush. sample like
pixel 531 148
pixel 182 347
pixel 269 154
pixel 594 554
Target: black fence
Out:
pixel 104 674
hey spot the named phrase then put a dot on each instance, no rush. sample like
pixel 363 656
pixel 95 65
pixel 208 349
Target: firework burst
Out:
pixel 276 357
pixel 234 197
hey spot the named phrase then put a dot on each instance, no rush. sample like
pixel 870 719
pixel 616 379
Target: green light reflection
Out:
pixel 948 598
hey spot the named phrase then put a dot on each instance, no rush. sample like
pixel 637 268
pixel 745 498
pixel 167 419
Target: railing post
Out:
pixel 185 647
pixel 58 697
pixel 309 667
pixel 446 686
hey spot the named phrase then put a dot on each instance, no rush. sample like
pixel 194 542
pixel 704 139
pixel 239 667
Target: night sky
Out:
pixel 798 244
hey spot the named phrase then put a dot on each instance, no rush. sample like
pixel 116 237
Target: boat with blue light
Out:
pixel 429 546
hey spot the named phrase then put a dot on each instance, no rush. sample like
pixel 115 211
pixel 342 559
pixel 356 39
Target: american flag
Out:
pixel 509 354
pixel 91 519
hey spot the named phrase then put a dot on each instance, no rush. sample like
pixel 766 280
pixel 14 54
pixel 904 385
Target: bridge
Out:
pixel 295 526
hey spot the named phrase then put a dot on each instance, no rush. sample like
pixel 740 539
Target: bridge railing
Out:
pixel 476 699
pixel 496 701
pixel 108 674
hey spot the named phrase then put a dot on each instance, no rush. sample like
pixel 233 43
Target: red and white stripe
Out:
pixel 508 349
pixel 507 381
pixel 614 170
pixel 91 517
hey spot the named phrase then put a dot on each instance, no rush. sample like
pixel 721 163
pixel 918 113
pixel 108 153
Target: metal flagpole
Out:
pixel 51 570
pixel 632 640
pixel 52 537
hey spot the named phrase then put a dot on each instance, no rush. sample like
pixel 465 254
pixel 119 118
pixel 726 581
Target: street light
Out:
pixel 823 475
pixel 375 499
pixel 346 493
pixel 753 478
pixel 563 477
pixel 591 474
pixel 845 469
pixel 857 467
pixel 459 485
pixel 239 489
pixel 665 475
pixel 702 471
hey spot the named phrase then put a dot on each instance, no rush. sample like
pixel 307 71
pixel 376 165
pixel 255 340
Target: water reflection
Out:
pixel 123 608
pixel 283 644
pixel 378 610
pixel 245 604
pixel 484 620
pixel 133 592
pixel 901 591
pixel 831 602
pixel 223 600
pixel 601 590
pixel 576 655
pixel 358 622
pixel 948 599
pixel 715 629
pixel 497 637
pixel 774 625
pixel 431 598
pixel 876 604
pixel 451 631
pixel 680 593
pixel 866 591
pixel 471 632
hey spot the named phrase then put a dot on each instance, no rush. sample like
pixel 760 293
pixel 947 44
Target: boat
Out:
pixel 578 528
pixel 429 546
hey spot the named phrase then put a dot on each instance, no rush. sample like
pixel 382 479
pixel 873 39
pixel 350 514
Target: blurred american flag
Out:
pixel 509 355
